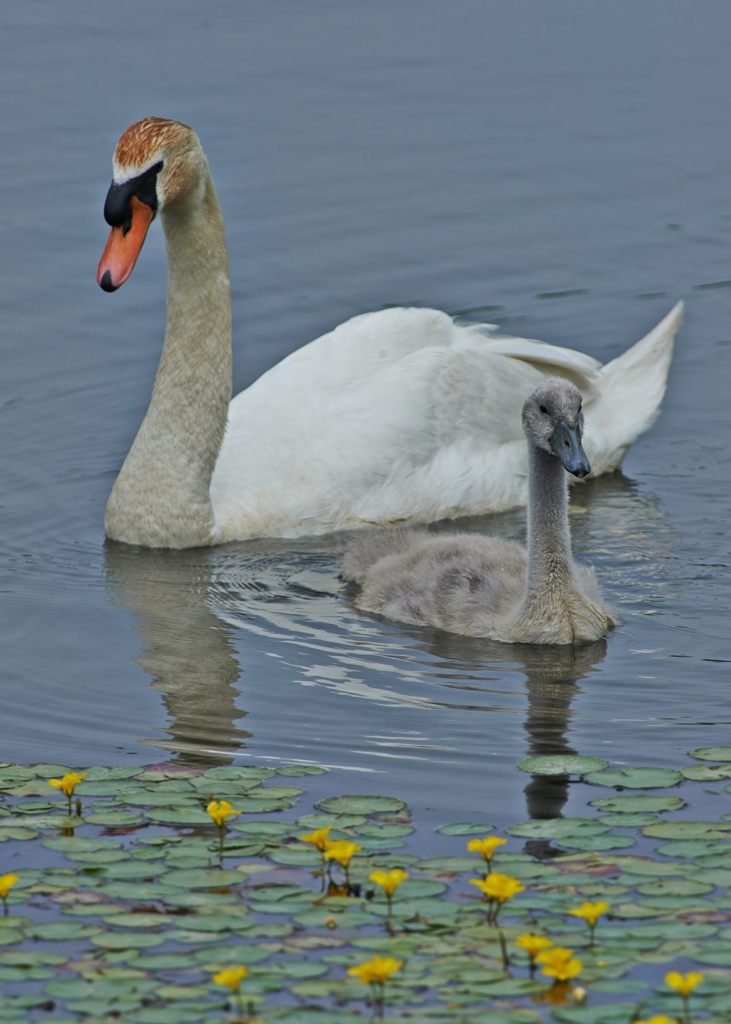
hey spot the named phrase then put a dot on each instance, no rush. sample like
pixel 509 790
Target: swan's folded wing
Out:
pixel 548 359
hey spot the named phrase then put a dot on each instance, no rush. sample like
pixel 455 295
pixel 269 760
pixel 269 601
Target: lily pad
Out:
pixel 365 805
pixel 466 828
pixel 711 754
pixel 635 778
pixel 638 804
pixel 562 764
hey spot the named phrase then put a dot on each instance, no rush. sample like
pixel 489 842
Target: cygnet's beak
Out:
pixel 566 444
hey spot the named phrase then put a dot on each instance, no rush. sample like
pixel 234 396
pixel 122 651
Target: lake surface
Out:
pixel 562 170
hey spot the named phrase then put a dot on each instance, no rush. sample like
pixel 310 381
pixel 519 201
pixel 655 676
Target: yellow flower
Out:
pixel 377 970
pixel 231 977
pixel 497 887
pixel 389 881
pixel 486 846
pixel 590 912
pixel 68 783
pixel 219 810
pixel 319 838
pixel 343 851
pixel 533 944
pixel 659 1018
pixel 684 984
pixel 6 884
pixel 559 963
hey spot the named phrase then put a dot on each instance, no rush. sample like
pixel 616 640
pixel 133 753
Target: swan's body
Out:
pixel 486 586
pixel 397 416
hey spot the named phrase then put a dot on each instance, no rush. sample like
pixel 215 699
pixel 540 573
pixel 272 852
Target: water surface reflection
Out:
pixel 188 652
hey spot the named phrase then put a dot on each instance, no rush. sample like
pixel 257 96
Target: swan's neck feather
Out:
pixel 549 542
pixel 161 497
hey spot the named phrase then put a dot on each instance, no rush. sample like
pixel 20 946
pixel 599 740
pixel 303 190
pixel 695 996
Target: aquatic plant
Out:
pixel 532 945
pixel 486 847
pixel 497 889
pixel 342 852
pixel 6 884
pixel 590 912
pixel 231 978
pixel 685 985
pixel 67 784
pixel 220 811
pixel 376 972
pixel 389 881
pixel 149 917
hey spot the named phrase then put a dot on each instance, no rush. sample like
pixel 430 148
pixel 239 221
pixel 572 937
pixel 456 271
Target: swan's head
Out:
pixel 156 163
pixel 553 421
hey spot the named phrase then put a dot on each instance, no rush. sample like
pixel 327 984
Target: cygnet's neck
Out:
pixel 549 541
pixel 161 497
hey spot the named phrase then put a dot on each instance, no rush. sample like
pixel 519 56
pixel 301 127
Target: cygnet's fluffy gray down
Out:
pixel 469 584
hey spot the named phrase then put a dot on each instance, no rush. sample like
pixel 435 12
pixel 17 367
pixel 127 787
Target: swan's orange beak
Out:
pixel 123 247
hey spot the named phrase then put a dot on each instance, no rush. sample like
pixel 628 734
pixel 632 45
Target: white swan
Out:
pixel 396 416
pixel 487 586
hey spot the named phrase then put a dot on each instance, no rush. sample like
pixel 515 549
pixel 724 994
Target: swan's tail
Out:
pixel 629 392
pixel 370 547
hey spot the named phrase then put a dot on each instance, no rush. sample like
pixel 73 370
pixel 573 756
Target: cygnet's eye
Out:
pixel 543 409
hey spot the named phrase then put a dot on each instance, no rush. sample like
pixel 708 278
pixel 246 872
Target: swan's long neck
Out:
pixel 161 497
pixel 549 541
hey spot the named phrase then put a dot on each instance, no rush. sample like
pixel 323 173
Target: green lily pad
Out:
pixel 706 772
pixel 204 878
pixel 638 804
pixel 562 764
pixel 365 805
pixel 558 828
pixel 466 828
pixel 711 754
pixel 127 940
pixel 687 830
pixel 635 778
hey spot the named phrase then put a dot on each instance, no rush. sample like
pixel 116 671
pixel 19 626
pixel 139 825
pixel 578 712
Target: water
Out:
pixel 563 171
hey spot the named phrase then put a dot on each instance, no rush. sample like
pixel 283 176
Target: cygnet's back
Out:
pixel 486 586
pixel 463 583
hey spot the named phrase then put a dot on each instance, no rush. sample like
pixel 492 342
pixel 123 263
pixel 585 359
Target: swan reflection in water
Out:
pixel 192 608
pixel 186 650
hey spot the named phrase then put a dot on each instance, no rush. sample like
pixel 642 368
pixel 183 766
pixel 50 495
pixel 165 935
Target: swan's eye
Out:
pixel 543 409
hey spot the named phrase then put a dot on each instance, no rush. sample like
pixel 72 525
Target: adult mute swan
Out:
pixel 396 416
pixel 486 586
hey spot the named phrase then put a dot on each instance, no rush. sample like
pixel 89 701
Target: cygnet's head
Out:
pixel 156 163
pixel 553 421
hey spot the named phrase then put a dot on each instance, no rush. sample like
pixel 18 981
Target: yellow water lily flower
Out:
pixel 659 1018
pixel 486 846
pixel 532 945
pixel 590 912
pixel 68 783
pixel 320 838
pixel 389 881
pixel 220 810
pixel 559 963
pixel 6 884
pixel 498 887
pixel 342 851
pixel 684 984
pixel 231 977
pixel 377 970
